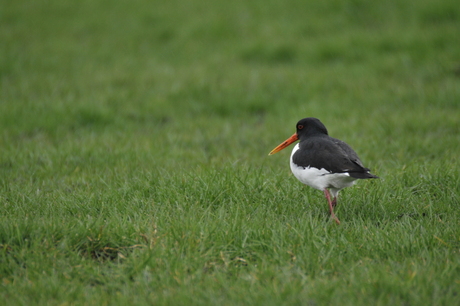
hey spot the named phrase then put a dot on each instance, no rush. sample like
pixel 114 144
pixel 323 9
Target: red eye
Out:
pixel 300 127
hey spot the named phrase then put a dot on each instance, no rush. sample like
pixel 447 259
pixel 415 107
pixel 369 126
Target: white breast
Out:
pixel 320 178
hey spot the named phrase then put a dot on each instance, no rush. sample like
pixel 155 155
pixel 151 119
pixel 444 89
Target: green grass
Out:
pixel 133 152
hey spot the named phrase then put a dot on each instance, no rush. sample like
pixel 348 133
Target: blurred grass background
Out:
pixel 126 125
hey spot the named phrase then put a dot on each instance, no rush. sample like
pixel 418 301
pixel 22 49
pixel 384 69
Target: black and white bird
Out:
pixel 323 162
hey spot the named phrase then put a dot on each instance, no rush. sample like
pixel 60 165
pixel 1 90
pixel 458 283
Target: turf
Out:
pixel 134 140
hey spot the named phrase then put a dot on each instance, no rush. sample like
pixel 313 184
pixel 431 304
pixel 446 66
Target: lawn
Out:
pixel 134 141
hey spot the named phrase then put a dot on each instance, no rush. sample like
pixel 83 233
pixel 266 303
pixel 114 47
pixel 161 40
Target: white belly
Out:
pixel 320 178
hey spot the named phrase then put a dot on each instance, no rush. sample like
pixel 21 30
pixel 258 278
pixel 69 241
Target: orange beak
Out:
pixel 285 144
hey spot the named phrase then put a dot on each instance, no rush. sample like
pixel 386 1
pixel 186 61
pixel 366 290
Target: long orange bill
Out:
pixel 285 144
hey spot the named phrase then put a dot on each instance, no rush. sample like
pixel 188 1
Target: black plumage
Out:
pixel 319 150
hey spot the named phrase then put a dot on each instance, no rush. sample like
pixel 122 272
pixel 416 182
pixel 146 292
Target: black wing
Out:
pixel 331 154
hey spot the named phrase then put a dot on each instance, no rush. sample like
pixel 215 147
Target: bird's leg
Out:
pixel 334 202
pixel 331 205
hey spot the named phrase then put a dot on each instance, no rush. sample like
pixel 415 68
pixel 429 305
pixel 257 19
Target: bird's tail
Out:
pixel 363 175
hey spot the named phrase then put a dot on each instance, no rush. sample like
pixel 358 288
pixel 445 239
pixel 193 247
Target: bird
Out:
pixel 322 162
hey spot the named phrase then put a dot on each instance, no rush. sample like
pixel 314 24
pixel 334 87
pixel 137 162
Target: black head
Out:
pixel 310 126
pixel 306 127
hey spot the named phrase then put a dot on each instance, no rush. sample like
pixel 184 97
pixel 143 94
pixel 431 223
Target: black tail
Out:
pixel 363 175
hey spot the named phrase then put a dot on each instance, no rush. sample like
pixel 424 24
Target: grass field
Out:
pixel 134 141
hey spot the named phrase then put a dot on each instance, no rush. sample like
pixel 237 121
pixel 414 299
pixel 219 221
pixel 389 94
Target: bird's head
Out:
pixel 304 128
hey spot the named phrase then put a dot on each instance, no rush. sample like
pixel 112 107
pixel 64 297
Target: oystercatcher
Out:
pixel 323 162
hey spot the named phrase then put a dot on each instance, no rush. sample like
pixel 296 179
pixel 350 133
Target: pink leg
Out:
pixel 331 205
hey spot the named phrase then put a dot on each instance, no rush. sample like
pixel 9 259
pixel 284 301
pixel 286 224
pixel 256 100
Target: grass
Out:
pixel 134 138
